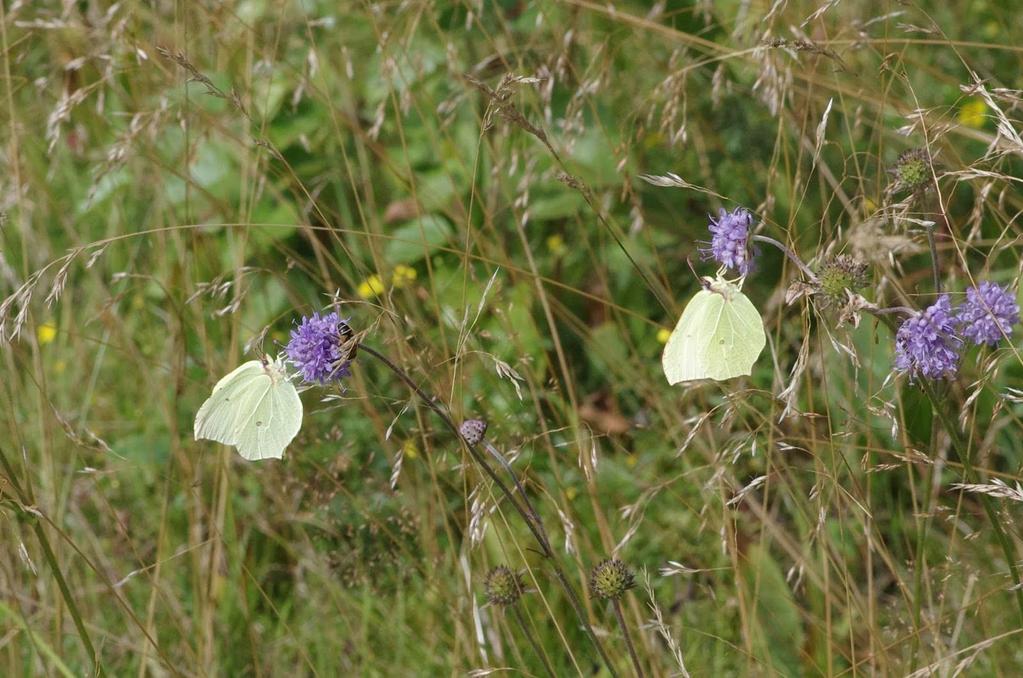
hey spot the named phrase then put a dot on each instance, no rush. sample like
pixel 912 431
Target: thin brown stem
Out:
pixel 496 454
pixel 537 650
pixel 931 242
pixel 938 404
pixel 25 500
pixel 963 452
pixel 617 605
pixel 793 257
pixel 527 514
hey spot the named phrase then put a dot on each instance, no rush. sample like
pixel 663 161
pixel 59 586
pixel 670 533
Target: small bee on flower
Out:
pixel 319 348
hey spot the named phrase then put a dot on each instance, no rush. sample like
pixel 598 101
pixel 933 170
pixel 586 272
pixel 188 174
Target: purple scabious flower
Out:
pixel 729 245
pixel 926 344
pixel 988 314
pixel 316 348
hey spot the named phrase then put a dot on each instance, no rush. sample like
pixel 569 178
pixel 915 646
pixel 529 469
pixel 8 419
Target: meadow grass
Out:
pixel 186 179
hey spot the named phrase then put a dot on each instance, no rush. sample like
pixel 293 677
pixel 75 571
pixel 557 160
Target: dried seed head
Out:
pixel 503 586
pixel 473 430
pixel 611 579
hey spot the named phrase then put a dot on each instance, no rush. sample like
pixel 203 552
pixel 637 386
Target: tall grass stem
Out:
pixel 535 528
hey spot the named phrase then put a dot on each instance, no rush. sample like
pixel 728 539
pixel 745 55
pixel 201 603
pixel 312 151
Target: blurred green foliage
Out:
pixel 182 176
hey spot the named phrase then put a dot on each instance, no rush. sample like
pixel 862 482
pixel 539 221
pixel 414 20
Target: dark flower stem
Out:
pixel 496 454
pixel 789 253
pixel 617 605
pixel 905 310
pixel 535 527
pixel 517 614
pixel 801 265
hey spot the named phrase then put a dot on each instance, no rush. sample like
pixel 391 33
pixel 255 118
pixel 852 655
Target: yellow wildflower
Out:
pixel 973 113
pixel 370 287
pixel 46 333
pixel 556 244
pixel 403 275
pixel 410 450
pixel 571 493
pixel 662 335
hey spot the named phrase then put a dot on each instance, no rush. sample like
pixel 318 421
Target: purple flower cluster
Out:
pixel 729 245
pixel 988 314
pixel 315 348
pixel 928 344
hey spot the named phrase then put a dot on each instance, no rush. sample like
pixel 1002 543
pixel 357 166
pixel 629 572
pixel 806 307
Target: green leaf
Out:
pixel 606 349
pixel 417 238
pixel 558 206
pixel 919 417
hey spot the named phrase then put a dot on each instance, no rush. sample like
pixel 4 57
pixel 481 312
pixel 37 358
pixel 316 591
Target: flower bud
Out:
pixel 913 170
pixel 611 579
pixel 841 273
pixel 473 430
pixel 503 586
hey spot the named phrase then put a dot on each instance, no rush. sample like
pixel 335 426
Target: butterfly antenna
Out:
pixel 256 344
pixel 689 263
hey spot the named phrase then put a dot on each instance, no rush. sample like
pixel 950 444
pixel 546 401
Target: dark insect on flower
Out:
pixel 913 170
pixel 841 273
pixel 729 245
pixel 988 314
pixel 611 579
pixel 322 348
pixel 473 430
pixel 503 586
pixel 926 344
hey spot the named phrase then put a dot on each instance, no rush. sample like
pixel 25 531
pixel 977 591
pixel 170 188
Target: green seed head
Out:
pixel 913 169
pixel 839 274
pixel 503 586
pixel 611 579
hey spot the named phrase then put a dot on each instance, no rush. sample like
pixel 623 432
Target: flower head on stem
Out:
pixel 318 348
pixel 730 241
pixel 926 344
pixel 988 314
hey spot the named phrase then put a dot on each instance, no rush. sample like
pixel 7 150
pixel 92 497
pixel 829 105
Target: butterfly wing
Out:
pixel 218 417
pixel 737 340
pixel 719 336
pixel 272 424
pixel 685 356
pixel 255 408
